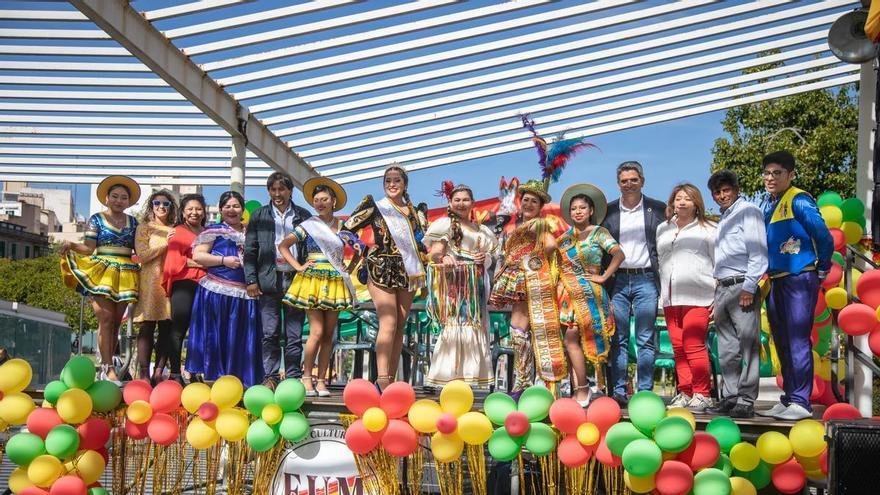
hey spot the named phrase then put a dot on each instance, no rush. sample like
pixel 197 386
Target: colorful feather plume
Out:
pixel 446 188
pixel 553 157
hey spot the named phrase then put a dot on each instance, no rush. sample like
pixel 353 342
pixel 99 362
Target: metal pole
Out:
pixel 79 338
pixel 237 165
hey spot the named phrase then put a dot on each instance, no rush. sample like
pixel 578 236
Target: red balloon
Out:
pixel 567 415
pixel 821 305
pixel 841 410
pixel 868 288
pixel 136 390
pixel 41 421
pixel 93 434
pixel 857 319
pixel 359 439
pixel 823 461
pixel 834 276
pixel 447 423
pixel 135 431
pixel 33 490
pixel 779 382
pixel 839 239
pixel 68 485
pixel 360 395
pixel 789 477
pixel 604 455
pixel 396 399
pixel 571 453
pixel 873 341
pixel 166 396
pixel 105 454
pixel 603 412
pixel 400 439
pixel 828 399
pixel 516 424
pixel 208 411
pixel 674 478
pixel 163 429
pixel 818 389
pixel 702 453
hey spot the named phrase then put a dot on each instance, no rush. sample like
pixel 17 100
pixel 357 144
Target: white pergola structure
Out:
pixel 218 91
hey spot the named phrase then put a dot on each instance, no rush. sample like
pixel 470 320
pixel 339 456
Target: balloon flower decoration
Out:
pixel 380 418
pixel 277 414
pixel 152 411
pixel 215 413
pixel 15 405
pixel 520 424
pixel 583 431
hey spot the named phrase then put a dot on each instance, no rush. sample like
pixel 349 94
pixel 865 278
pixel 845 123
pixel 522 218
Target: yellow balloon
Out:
pixel 74 406
pixel 446 447
pixel 682 412
pixel 245 217
pixel 588 434
pixel 201 435
pixel 15 376
pixel 139 412
pixel 836 298
pixel 89 466
pixel 816 475
pixel 232 424
pixel 774 447
pixel 856 275
pixel 19 480
pixel 823 369
pixel 272 414
pixel 852 231
pixel 474 428
pixel 226 391
pixel 456 398
pixel 638 484
pixel 375 419
pixel 742 486
pixel 744 456
pixel 15 408
pixel 832 215
pixel 44 470
pixel 807 438
pixel 423 415
pixel 194 395
pixel 809 463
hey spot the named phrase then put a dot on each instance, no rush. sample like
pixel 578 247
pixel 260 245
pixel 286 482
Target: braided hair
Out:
pixel 455 232
pixel 395 167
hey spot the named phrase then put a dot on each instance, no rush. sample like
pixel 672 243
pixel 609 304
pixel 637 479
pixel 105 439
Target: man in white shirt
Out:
pixel 633 221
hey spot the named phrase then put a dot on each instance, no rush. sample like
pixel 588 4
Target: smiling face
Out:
pixel 630 182
pixel 279 194
pixel 580 212
pixel 118 199
pixel 231 211
pixel 395 184
pixel 777 179
pixel 725 195
pixel 193 213
pixel 684 205
pixel 462 203
pixel 161 206
pixel 530 205
pixel 323 203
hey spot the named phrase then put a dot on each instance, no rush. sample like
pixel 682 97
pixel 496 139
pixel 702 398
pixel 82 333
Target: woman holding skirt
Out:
pixel 461 253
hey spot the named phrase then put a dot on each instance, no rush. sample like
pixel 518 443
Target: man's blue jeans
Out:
pixel 633 295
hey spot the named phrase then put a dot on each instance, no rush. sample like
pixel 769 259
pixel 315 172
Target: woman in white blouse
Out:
pixel 686 249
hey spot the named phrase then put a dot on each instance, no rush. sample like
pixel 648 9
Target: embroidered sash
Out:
pixel 333 248
pixel 402 233
pixel 544 319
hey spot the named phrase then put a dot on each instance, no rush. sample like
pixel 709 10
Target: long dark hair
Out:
pixel 455 232
pixel 180 220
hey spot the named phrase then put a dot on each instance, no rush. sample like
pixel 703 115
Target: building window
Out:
pixel 2 249
pixel 14 251
pixel 27 252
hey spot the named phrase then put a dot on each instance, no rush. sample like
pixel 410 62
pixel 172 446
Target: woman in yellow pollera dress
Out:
pixel 101 265
pixel 322 285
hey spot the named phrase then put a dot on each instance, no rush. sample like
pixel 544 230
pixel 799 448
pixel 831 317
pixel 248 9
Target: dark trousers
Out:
pixel 183 293
pixel 273 313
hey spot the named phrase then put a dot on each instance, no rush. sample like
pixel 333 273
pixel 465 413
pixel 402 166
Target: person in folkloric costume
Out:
pixel 394 268
pixel 461 253
pixel 101 266
pixel 322 285
pixel 527 281
pixel 585 307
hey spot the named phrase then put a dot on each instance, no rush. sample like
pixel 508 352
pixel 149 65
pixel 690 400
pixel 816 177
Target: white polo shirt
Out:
pixel 632 236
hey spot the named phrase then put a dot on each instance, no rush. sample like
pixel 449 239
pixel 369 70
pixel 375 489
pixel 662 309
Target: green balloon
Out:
pixel 642 458
pixel 852 209
pixel 725 431
pixel 98 490
pixel 673 434
pixel 620 435
pixel 646 409
pixel 503 447
pixel 497 406
pixel 724 464
pixel 861 221
pixel 535 402
pixel 711 481
pixel 294 427
pixel 541 439
pixel 290 395
pixel 79 372
pixel 838 258
pixel 251 205
pixel 53 391
pixel 62 441
pixel 261 437
pixel 105 396
pixel 829 198
pixel 258 397
pixel 24 447
pixel 760 476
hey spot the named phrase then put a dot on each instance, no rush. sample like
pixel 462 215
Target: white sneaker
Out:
pixel 793 412
pixel 777 408
pixel 680 400
pixel 698 403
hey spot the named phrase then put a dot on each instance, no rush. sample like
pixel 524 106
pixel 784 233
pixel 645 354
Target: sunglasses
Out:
pixel 164 204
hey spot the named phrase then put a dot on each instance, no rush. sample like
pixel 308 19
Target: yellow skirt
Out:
pixel 319 287
pixel 112 276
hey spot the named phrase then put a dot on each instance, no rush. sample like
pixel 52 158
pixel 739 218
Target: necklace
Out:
pixel 117 224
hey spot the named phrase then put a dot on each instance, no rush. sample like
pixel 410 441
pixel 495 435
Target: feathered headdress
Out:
pixel 446 189
pixel 553 157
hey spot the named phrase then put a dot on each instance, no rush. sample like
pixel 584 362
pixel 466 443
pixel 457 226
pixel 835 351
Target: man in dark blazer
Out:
pixel 633 221
pixel 268 276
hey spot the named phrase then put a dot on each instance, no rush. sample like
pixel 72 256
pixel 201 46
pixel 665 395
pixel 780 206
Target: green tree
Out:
pixel 818 127
pixel 37 282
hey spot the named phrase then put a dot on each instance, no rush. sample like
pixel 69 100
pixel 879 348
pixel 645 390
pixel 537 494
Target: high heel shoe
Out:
pixel 382 378
pixel 310 392
pixel 105 375
pixel 324 392
pixel 585 402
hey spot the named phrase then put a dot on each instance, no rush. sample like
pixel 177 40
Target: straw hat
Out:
pixel 134 190
pixel 311 184
pixel 592 192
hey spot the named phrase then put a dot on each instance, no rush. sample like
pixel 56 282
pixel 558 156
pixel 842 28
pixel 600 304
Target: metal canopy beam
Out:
pixel 135 33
